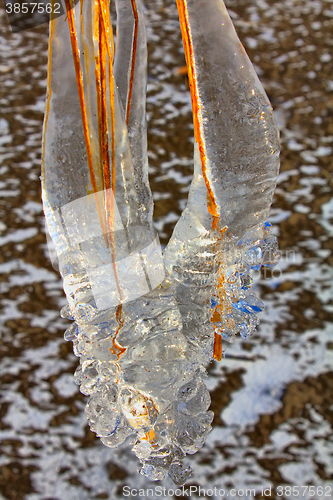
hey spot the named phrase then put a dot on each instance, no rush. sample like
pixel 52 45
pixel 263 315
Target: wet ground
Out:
pixel 272 394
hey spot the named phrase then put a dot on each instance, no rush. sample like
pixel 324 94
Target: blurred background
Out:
pixel 272 394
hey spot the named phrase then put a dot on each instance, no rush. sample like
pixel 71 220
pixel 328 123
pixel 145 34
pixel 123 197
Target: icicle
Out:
pixel 236 162
pixel 143 338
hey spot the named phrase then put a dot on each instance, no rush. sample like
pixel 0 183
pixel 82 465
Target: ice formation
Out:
pixel 145 325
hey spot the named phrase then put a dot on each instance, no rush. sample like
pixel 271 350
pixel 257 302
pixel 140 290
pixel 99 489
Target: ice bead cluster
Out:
pixel 234 306
pixel 227 271
pixel 146 324
pixel 146 381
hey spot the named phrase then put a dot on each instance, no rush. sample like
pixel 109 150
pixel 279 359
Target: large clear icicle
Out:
pixel 236 162
pixel 139 361
pixel 88 181
pixel 143 339
pixel 235 128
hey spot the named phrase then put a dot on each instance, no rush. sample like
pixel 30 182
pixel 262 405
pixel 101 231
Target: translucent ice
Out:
pixel 221 232
pixel 144 337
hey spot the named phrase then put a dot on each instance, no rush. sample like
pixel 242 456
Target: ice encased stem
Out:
pixel 88 182
pixel 135 356
pixel 236 162
pixel 143 340
pixel 130 69
pixel 237 140
pixel 237 132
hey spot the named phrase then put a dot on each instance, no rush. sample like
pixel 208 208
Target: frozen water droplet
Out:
pixel 84 313
pixel 270 249
pixel 198 403
pixel 246 281
pixel 153 473
pixel 187 391
pixel 178 473
pixel 250 304
pixel 79 345
pixel 253 257
pixel 71 333
pixel 66 313
pixel 78 376
pixel 142 449
pixel 107 423
pixel 119 435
